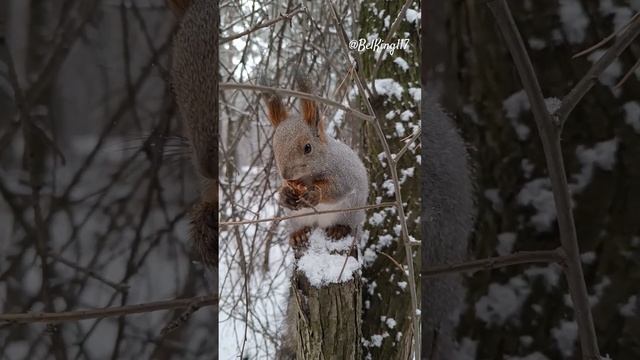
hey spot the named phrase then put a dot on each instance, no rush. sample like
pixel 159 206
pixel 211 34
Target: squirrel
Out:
pixel 319 172
pixel 447 220
pixel 194 80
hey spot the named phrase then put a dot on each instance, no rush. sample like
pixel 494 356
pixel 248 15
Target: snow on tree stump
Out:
pixel 326 305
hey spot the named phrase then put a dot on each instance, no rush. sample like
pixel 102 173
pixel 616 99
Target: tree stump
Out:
pixel 326 305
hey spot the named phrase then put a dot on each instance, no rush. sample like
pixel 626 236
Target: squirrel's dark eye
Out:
pixel 307 148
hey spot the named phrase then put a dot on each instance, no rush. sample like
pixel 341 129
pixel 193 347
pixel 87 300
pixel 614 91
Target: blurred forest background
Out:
pixel 524 312
pixel 95 182
pixel 256 259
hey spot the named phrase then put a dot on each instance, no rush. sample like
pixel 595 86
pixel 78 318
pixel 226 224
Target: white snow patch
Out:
pixel 513 106
pixel 537 43
pixel 574 20
pixel 391 323
pixel 389 187
pixel 506 240
pixel 402 63
pixel 405 174
pixel 553 104
pixel 621 14
pixel 527 167
pixel 526 340
pixel 550 274
pixel 388 87
pixel 630 308
pixel 406 115
pixel 610 75
pixel 322 267
pixel 493 195
pixel 632 115
pixel 376 340
pixel 412 16
pixel 399 127
pixel 602 155
pixel 588 258
pixel 598 290
pixel 565 335
pixel 537 193
pixel 384 241
pixel 502 301
pixel 377 218
pixel 416 94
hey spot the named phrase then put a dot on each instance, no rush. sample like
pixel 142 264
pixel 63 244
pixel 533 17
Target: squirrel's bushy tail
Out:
pixel 448 212
pixel 194 77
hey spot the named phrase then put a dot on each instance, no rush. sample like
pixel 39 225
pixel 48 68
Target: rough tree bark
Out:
pixel 327 319
pixel 387 326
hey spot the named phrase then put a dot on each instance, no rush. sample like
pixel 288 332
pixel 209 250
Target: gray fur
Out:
pixel 194 75
pixel 331 160
pixel 448 215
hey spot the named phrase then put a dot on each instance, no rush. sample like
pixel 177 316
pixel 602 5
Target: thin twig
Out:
pixel 626 76
pixel 268 89
pixel 182 319
pixel 550 137
pixel 589 79
pixel 115 311
pixel 395 262
pixel 280 218
pixel 412 138
pixel 346 258
pixel 89 272
pixel 522 257
pixel 605 40
pixel 263 24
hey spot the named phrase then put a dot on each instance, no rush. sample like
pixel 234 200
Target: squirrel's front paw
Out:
pixel 289 198
pixel 337 232
pixel 311 197
pixel 300 238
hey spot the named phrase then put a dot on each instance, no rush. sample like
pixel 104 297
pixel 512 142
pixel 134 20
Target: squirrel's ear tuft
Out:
pixel 276 110
pixel 310 112
pixel 309 108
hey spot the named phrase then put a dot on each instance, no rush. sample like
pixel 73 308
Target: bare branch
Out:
pixel 366 207
pixel 410 140
pixel 605 40
pixel 550 137
pixel 626 76
pixel 115 311
pixel 589 79
pixel 523 257
pixel 261 88
pixel 263 24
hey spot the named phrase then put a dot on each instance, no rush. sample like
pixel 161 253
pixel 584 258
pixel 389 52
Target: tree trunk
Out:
pixel 327 319
pixel 387 326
